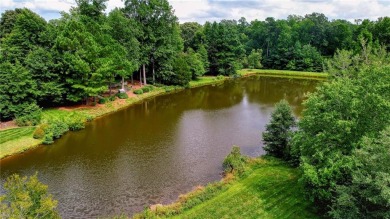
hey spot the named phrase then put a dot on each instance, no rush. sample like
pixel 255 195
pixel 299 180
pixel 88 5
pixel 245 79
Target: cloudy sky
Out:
pixel 211 10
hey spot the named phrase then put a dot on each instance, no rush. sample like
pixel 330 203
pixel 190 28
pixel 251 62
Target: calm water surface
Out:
pixel 152 152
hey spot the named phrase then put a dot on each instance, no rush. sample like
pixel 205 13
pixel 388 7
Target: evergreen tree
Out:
pixel 277 136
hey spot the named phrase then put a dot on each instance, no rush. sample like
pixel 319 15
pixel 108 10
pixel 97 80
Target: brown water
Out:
pixel 152 152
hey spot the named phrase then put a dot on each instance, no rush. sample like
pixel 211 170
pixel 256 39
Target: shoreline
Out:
pixel 100 110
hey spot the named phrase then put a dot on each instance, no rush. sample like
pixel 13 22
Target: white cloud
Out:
pixel 203 10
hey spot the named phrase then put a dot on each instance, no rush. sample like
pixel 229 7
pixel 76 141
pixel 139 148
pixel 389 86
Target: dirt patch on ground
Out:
pixel 7 125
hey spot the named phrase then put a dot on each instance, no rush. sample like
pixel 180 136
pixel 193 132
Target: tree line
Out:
pixel 79 56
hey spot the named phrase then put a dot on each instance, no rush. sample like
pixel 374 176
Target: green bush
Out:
pixel 138 91
pixel 39 132
pixel 145 89
pixel 122 95
pixel 234 162
pixel 57 129
pixel 76 123
pixel 169 89
pixel 103 100
pixel 48 139
pixel 29 115
pixel 220 77
pixel 112 98
pixel 151 87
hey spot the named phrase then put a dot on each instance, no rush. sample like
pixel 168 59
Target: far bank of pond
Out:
pixel 18 140
pixel 157 149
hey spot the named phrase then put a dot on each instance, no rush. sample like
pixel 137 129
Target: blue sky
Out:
pixel 211 10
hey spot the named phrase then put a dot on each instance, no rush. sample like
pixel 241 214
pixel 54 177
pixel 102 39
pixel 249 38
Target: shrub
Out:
pixel 103 100
pixel 145 89
pixel 29 115
pixel 150 87
pixel 56 129
pixel 138 91
pixel 40 131
pixel 48 139
pixel 75 124
pixel 122 95
pixel 234 162
pixel 220 77
pixel 112 98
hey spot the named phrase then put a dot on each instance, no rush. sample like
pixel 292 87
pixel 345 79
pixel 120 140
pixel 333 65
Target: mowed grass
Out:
pixel 270 191
pixel 15 133
pixel 17 140
pixel 284 73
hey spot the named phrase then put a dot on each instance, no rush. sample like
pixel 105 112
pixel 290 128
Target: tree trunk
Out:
pixel 123 83
pixel 110 87
pixel 140 76
pixel 154 80
pixel 144 74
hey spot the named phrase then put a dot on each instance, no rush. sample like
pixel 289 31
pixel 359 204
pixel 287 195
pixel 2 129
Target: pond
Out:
pixel 151 152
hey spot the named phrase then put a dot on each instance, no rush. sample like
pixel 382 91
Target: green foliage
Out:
pixel 145 89
pixel 112 98
pixel 28 115
pixel 335 120
pixel 76 122
pixel 138 91
pixel 368 193
pixel 278 132
pixel 182 71
pixel 104 100
pixel 254 59
pixel 234 161
pixel 27 198
pixel 122 95
pixel 57 128
pixel 39 132
pixel 224 47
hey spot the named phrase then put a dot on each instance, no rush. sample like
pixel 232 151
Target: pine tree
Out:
pixel 278 131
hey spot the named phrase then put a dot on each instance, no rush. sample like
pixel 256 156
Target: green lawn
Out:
pixel 271 190
pixel 16 140
pixel 300 74
pixel 15 133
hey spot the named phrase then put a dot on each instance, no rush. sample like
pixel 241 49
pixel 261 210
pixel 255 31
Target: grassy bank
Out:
pixel 283 73
pixel 269 189
pixel 206 80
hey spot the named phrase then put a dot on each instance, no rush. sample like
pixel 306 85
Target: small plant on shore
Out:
pixel 138 91
pixel 122 95
pixel 104 100
pixel 220 77
pixel 145 89
pixel 234 162
pixel 39 132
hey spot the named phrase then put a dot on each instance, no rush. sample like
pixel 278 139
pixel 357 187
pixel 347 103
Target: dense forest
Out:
pixel 77 57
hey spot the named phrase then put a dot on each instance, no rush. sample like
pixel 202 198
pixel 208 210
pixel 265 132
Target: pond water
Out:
pixel 151 152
